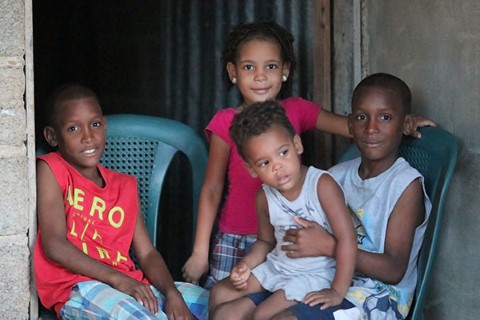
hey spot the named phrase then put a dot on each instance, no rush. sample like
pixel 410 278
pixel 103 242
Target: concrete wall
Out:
pixel 14 164
pixel 434 45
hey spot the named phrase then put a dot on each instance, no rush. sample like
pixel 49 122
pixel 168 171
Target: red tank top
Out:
pixel 100 222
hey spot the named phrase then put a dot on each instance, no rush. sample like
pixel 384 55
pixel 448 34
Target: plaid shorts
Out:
pixel 97 300
pixel 228 249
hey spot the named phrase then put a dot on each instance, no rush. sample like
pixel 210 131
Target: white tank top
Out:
pixel 372 200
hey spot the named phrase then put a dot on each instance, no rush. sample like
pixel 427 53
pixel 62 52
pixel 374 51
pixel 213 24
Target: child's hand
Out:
pixel 140 291
pixel 239 276
pixel 413 122
pixel 175 307
pixel 312 240
pixel 328 298
pixel 194 268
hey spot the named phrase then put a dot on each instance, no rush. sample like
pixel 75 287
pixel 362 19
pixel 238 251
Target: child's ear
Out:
pixel 297 142
pixel 409 124
pixel 286 69
pixel 232 72
pixel 49 134
pixel 250 169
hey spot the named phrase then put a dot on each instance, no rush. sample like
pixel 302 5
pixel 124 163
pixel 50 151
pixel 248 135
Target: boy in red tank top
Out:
pixel 88 218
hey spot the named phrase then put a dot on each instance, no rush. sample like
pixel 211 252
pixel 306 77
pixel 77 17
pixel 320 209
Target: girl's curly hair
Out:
pixel 270 31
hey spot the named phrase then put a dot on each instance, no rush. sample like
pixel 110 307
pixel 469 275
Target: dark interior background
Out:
pixel 162 58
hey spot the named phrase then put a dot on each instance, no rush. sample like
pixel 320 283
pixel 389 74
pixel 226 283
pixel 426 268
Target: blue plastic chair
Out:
pixel 435 156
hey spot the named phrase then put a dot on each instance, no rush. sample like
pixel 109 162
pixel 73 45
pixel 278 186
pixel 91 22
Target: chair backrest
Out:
pixel 144 146
pixel 434 156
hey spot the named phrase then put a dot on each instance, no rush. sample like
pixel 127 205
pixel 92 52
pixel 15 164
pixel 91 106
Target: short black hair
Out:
pixel 388 82
pixel 265 30
pixel 257 119
pixel 65 92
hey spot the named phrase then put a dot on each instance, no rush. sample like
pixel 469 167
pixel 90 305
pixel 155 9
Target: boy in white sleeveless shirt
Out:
pixel 389 204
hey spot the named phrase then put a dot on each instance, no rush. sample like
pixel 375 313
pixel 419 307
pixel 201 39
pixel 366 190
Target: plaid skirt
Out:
pixel 228 249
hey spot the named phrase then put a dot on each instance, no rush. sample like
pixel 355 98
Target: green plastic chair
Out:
pixel 434 156
pixel 145 146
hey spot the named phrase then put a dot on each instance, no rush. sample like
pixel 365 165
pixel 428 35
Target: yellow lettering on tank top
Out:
pixel 99 206
pixel 78 198
pixel 84 230
pixel 69 195
pixel 97 235
pixel 85 248
pixel 103 253
pixel 116 216
pixel 72 231
pixel 120 257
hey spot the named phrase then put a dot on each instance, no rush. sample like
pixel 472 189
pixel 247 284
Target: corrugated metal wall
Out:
pixel 156 57
pixel 193 38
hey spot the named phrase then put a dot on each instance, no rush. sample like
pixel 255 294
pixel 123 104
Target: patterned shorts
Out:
pixel 97 300
pixel 228 249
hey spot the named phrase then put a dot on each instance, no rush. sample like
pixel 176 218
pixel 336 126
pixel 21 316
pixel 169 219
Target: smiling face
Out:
pixel 79 133
pixel 258 70
pixel 273 156
pixel 377 123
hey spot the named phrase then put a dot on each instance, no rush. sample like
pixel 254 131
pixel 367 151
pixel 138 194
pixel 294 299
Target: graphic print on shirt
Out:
pixel 359 229
pixel 87 228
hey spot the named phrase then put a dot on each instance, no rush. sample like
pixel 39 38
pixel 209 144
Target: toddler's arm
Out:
pixel 332 200
pixel 264 244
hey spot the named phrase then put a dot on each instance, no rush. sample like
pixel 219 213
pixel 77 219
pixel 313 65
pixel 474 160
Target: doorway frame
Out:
pixel 322 76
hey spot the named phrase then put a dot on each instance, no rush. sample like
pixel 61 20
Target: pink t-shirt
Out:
pixel 238 215
pixel 99 221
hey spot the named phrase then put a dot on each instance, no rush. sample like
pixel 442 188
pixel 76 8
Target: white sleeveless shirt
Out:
pixel 296 277
pixel 372 200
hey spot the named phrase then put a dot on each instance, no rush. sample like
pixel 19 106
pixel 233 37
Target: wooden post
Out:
pixel 322 80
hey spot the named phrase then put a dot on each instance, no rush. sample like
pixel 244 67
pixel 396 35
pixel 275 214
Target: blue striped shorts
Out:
pixel 97 300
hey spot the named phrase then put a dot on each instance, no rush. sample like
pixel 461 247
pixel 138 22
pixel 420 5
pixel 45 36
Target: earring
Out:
pixel 234 80
pixel 284 78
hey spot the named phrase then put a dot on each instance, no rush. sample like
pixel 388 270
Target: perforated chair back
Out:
pixel 434 156
pixel 144 146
